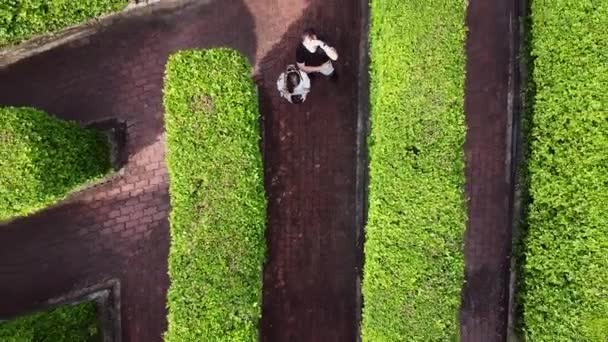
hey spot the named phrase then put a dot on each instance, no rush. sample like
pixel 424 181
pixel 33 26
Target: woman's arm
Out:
pixel 305 81
pixel 281 83
pixel 281 87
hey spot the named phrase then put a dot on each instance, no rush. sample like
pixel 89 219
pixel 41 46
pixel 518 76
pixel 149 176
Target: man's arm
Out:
pixel 329 51
pixel 308 69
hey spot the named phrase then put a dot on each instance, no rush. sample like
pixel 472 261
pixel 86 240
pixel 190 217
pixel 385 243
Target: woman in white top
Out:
pixel 293 85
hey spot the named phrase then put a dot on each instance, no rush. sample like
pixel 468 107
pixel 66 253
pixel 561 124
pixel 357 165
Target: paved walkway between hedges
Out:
pixel 490 51
pixel 119 229
pixel 311 280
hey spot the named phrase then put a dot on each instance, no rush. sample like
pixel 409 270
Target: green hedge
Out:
pixel 43 158
pixel 565 289
pixel 413 272
pixel 22 19
pixel 70 323
pixel 218 214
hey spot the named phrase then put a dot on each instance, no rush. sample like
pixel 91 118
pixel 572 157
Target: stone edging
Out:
pixel 45 42
pixel 116 133
pixel 106 297
pixel 362 176
pixel 517 82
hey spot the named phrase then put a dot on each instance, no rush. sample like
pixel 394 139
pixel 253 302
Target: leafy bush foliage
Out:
pixel 218 214
pixel 565 289
pixel 22 19
pixel 70 323
pixel 43 158
pixel 414 264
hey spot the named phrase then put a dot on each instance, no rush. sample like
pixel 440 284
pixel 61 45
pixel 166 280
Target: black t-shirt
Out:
pixel 308 58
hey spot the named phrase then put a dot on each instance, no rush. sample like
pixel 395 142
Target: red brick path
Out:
pixel 311 277
pixel 119 229
pixel 490 47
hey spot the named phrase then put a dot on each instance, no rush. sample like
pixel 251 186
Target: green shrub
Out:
pixel 413 272
pixel 565 271
pixel 22 19
pixel 70 323
pixel 43 158
pixel 218 214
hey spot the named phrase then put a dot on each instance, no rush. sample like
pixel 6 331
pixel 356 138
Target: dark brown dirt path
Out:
pixel 119 229
pixel 489 88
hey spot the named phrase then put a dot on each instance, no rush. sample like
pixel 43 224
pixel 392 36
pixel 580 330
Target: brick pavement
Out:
pixel 119 229
pixel 490 85
pixel 311 277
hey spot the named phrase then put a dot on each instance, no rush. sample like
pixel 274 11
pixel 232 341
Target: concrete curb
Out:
pixel 362 176
pixel 517 79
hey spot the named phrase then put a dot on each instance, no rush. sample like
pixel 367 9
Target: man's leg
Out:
pixel 334 76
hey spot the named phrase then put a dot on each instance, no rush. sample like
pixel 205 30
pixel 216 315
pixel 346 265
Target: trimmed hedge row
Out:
pixel 70 323
pixel 22 19
pixel 413 272
pixel 565 289
pixel 43 158
pixel 218 214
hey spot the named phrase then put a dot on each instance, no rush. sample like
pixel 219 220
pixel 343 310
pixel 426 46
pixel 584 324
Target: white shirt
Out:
pixel 301 89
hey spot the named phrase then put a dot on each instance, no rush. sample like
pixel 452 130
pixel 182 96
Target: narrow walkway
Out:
pixel 120 230
pixel 312 272
pixel 490 53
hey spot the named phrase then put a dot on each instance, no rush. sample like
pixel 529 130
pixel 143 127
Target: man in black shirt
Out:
pixel 314 55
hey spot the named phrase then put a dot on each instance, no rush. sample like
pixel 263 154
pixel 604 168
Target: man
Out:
pixel 315 56
pixel 293 85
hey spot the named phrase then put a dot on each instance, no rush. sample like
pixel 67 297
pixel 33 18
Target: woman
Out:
pixel 293 85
